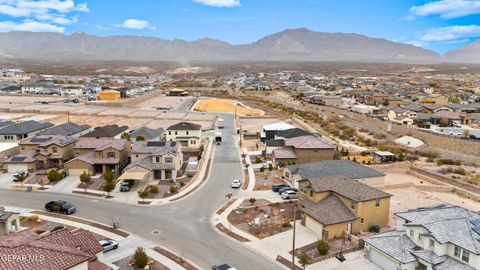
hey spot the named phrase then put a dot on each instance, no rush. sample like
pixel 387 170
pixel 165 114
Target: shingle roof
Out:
pixel 100 143
pixel 328 211
pixel 155 147
pixel 307 142
pixel 293 132
pixel 148 133
pixel 429 256
pixel 185 126
pixel 274 143
pixel 24 127
pixel 446 114
pixel 346 168
pixel 5 123
pixel 67 129
pixel 148 164
pixel 284 153
pixel 46 140
pixel 395 244
pixel 452 264
pixel 108 131
pixel 351 189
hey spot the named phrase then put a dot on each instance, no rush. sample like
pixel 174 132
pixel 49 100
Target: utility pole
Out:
pixel 293 242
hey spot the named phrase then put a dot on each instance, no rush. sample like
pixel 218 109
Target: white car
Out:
pixel 237 183
pixel 289 194
pixel 108 245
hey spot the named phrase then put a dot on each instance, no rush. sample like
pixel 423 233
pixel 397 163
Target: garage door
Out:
pixel 313 225
pixel 13 168
pixel 381 260
pixel 76 172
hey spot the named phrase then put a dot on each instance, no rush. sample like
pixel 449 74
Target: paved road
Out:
pixel 184 226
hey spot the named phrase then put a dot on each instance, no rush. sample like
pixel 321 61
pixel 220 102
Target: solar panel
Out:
pixel 173 143
pixel 475 222
pixel 41 139
pixel 477 230
pixel 18 158
pixel 156 143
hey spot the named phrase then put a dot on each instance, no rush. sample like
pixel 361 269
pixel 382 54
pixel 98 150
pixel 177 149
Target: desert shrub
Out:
pixel 286 224
pixel 140 258
pixel 153 189
pixel 34 218
pixel 323 247
pixel 54 176
pixel 447 161
pixel 460 171
pixel 172 189
pixel 182 184
pixel 257 159
pixel 270 166
pixel 252 200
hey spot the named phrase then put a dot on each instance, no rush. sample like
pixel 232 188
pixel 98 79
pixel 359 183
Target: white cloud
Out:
pixel 32 26
pixel 101 27
pixel 219 3
pixel 451 34
pixel 135 24
pixel 447 9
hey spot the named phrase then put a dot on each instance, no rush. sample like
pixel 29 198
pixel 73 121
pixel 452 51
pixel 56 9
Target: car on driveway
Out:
pixel 61 207
pixel 15 175
pixel 282 190
pixel 277 187
pixel 289 194
pixel 108 245
pixel 126 185
pixel 237 183
pixel 223 267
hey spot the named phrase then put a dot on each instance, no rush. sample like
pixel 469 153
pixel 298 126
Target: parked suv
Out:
pixel 277 187
pixel 282 190
pixel 62 207
pixel 289 194
pixel 126 185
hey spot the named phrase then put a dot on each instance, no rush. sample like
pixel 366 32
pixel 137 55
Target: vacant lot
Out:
pixel 163 102
pixel 226 105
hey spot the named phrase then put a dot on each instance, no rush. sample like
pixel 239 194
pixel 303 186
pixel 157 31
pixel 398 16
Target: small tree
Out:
pixel 85 179
pixel 140 258
pixel 257 159
pixel 153 189
pixel 108 176
pixel 252 200
pixel 20 177
pixel 108 187
pixel 53 176
pixel 323 247
pixel 143 195
pixel 466 133
pixel 125 135
pixel 140 138
pixel 172 189
pixel 270 166
pixel 304 259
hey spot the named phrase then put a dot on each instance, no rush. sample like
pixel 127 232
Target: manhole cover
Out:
pixel 155 232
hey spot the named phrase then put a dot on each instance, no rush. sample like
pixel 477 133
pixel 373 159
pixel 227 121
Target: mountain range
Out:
pixel 301 45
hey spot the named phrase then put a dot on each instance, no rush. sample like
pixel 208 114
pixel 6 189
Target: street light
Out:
pixel 294 227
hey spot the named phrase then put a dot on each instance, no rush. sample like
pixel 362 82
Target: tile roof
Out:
pixel 291 133
pixel 24 127
pixel 346 168
pixel 395 244
pixel 429 256
pixel 46 140
pixel 328 211
pixel 67 129
pixel 447 114
pixel 148 133
pixel 155 147
pixel 452 264
pixel 284 153
pixel 185 126
pixel 108 131
pixel 147 163
pixel 100 143
pixel 307 142
pixel 351 189
pixel 92 159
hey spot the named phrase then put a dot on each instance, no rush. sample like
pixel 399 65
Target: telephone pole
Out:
pixel 294 226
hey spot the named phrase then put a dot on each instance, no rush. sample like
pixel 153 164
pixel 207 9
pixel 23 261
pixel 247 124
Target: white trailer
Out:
pixel 220 123
pixel 218 137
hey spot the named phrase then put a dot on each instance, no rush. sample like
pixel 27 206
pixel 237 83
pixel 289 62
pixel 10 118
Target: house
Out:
pixel 269 131
pixel 188 135
pixel 438 237
pixel 97 155
pixel 383 157
pixel 41 152
pixel 303 149
pixel 109 95
pixel 340 167
pixel 67 129
pixel 433 108
pixel 397 112
pixel 16 131
pixel 9 222
pixel 291 133
pixel 71 91
pixel 108 131
pixel 326 100
pixel 395 102
pixel 156 160
pixel 334 204
pixel 436 99
pixel 57 250
pixel 12 89
pixel 447 118
pixel 148 134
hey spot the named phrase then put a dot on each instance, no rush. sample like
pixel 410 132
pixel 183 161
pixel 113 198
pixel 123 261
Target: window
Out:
pixel 168 159
pixel 420 237
pixel 457 252
pixel 23 147
pixel 377 203
pixel 169 132
pixel 136 155
pixel 100 154
pixel 186 132
pixel 353 205
pixel 311 193
pixel 176 132
pixel 157 159
pixel 111 154
pixel 432 243
pixel 362 220
pixel 315 151
pixel 465 256
pixel 193 142
pixel 412 233
pixel 54 149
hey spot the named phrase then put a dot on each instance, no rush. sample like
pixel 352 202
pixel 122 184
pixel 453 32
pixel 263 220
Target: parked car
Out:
pixel 62 207
pixel 277 187
pixel 126 185
pixel 223 267
pixel 15 175
pixel 108 245
pixel 237 183
pixel 289 194
pixel 282 190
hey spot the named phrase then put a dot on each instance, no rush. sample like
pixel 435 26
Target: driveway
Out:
pixel 6 180
pixel 355 261
pixel 66 185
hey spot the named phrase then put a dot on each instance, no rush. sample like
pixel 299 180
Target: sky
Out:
pixel 439 25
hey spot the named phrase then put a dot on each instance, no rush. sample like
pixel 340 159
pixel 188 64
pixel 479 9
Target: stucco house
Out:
pixel 188 135
pixel 303 149
pixel 13 132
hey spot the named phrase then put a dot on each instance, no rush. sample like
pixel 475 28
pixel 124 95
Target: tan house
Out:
pixel 187 134
pixel 42 152
pixel 154 160
pixel 335 205
pixel 9 222
pixel 94 156
pixel 303 149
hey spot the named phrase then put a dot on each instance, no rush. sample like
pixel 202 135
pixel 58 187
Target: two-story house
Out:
pixel 41 152
pixel 303 149
pixel 14 132
pixel 439 238
pixel 97 155
pixel 188 135
pixel 67 129
pixel 334 204
pixel 108 131
pixel 155 160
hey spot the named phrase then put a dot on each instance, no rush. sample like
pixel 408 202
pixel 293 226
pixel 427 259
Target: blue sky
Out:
pixel 440 25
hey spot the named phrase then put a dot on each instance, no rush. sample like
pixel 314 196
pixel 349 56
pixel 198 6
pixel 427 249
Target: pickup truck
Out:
pixel 126 185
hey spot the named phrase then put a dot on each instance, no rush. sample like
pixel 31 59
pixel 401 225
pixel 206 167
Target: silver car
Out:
pixel 289 194
pixel 108 245
pixel 237 183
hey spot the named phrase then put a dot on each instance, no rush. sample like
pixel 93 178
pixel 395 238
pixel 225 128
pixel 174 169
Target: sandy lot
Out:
pixel 31 99
pixel 225 105
pixel 161 102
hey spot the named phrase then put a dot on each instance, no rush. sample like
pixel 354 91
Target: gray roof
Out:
pixel 155 147
pixel 396 244
pixel 447 223
pixel 4 215
pixel 345 168
pixel 293 132
pixel 148 133
pixel 5 123
pixel 353 190
pixel 185 126
pixel 274 143
pixel 452 264
pixel 429 256
pixel 67 129
pixel 148 164
pixel 24 127
pixel 108 131
pixel 328 211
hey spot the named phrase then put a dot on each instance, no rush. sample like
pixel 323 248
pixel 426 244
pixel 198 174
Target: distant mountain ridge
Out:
pixel 289 45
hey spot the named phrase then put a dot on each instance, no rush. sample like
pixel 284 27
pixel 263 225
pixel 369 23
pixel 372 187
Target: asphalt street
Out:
pixel 184 226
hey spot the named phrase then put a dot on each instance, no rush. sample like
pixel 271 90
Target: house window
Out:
pixel 457 252
pixel 157 159
pixel 186 132
pixel 412 233
pixel 23 147
pixel 136 155
pixel 311 193
pixel 432 243
pixel 420 237
pixel 77 152
pixel 54 149
pixel 315 151
pixel 176 133
pixel 193 142
pixel 169 132
pixel 377 203
pixel 168 160
pixel 111 154
pixel 353 205
pixel 100 154
pixel 465 256
pixel 362 220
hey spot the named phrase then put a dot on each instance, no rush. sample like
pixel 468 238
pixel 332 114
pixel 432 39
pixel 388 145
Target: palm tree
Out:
pixel 20 177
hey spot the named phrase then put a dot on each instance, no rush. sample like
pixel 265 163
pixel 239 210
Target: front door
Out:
pixel 157 175
pixel 168 174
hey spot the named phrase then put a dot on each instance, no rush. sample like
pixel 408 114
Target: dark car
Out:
pixel 126 185
pixel 280 191
pixel 62 207
pixel 277 187
pixel 223 267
